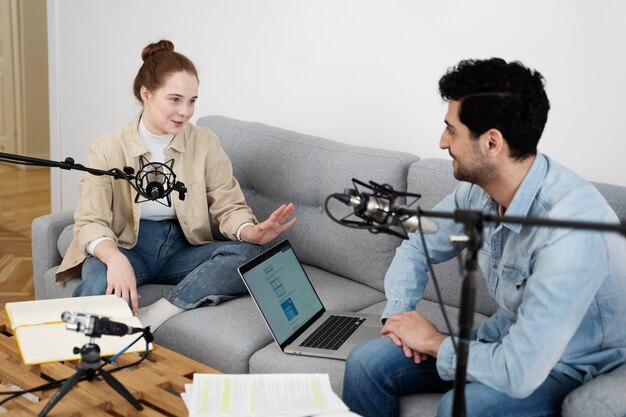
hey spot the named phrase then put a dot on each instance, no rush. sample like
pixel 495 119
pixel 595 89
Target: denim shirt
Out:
pixel 561 293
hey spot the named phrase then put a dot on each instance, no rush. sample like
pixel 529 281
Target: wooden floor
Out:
pixel 24 195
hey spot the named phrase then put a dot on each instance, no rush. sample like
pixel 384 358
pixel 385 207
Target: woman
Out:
pixel 120 244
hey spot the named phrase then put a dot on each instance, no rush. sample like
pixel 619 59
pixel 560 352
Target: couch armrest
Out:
pixel 45 233
pixel 603 396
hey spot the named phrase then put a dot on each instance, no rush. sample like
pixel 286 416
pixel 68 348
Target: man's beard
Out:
pixel 479 174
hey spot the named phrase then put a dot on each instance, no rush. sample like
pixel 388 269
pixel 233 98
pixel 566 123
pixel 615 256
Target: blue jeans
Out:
pixel 378 374
pixel 203 274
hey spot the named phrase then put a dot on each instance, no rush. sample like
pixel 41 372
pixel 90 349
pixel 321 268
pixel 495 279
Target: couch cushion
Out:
pixel 57 289
pixel 45 233
pixel 65 238
pixel 603 396
pixel 276 166
pixel 615 196
pixel 419 405
pixel 223 336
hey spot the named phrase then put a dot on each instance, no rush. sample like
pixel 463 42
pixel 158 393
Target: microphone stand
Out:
pixel 473 222
pixel 68 164
pixel 127 174
pixel 473 239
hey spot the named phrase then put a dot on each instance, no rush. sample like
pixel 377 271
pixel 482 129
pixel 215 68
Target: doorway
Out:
pixel 24 130
pixel 24 107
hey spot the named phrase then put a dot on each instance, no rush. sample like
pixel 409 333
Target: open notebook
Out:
pixel 43 337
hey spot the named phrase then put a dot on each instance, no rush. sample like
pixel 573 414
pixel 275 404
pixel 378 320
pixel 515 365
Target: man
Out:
pixel 561 293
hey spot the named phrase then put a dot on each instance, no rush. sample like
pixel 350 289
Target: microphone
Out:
pixel 96 326
pixel 366 205
pixel 155 187
pixel 384 211
pixel 156 180
pixel 380 211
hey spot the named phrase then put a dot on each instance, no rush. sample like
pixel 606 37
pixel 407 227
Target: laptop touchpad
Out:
pixel 365 333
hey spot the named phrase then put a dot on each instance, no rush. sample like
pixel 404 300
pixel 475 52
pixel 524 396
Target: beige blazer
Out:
pixel 107 208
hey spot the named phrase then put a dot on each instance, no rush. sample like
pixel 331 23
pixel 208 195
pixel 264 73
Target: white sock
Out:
pixel 156 314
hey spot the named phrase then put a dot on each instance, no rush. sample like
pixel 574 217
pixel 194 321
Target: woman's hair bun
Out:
pixel 153 48
pixel 160 61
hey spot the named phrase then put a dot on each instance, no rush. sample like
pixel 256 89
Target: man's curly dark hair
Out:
pixel 494 94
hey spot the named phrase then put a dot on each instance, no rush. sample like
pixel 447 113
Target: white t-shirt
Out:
pixel 150 210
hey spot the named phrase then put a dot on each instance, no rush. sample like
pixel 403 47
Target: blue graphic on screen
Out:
pixel 290 310
pixel 283 293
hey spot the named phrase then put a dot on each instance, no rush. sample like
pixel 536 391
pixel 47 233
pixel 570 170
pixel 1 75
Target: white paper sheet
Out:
pixel 259 395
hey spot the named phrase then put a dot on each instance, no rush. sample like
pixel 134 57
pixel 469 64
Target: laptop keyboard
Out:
pixel 333 332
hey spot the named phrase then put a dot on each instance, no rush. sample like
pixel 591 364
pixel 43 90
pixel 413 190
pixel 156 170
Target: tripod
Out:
pixel 90 365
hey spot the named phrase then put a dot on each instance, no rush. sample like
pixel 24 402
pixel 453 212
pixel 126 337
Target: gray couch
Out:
pixel 346 266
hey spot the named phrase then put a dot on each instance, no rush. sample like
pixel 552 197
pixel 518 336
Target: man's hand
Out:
pixel 417 336
pixel 418 357
pixel 121 279
pixel 268 230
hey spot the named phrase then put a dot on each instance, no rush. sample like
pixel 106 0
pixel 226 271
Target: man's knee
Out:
pixel 369 358
pixel 360 370
pixel 356 358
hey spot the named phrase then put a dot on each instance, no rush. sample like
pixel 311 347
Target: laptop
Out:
pixel 294 312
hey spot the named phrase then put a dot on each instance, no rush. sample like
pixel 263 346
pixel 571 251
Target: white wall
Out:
pixel 358 71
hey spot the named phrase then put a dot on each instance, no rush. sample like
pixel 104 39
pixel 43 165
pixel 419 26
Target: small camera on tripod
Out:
pixel 96 326
pixel 90 361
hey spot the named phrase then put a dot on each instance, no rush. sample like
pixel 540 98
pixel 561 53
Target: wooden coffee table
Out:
pixel 157 383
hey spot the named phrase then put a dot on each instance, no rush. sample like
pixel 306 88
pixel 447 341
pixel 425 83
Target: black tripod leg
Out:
pixel 117 386
pixel 63 389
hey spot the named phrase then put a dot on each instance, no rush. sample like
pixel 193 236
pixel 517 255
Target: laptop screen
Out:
pixel 282 291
